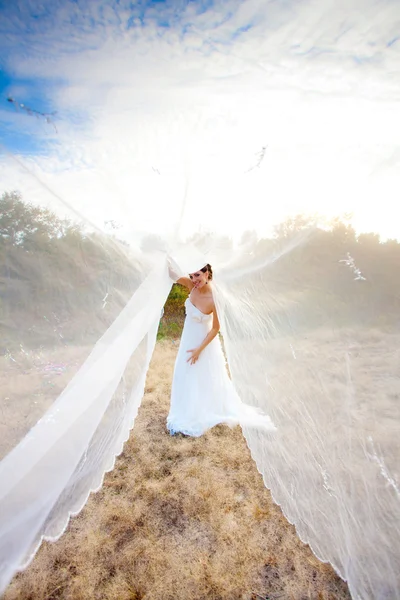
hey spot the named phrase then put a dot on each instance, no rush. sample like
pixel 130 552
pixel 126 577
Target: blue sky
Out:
pixel 23 24
pixel 195 90
pixel 20 131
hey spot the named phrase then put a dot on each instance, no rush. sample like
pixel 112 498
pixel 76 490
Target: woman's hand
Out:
pixel 195 356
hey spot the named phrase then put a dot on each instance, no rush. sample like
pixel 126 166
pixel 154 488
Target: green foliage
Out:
pixel 178 293
pixel 174 313
pixel 176 300
pixel 53 272
pixel 326 289
pixel 169 329
pixel 25 225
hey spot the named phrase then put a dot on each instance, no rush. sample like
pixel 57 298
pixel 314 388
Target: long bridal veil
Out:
pixel 102 199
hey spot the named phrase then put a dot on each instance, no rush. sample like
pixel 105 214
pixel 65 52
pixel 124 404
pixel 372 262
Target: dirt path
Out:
pixel 178 519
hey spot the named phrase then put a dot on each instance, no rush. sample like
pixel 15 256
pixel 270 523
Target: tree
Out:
pixel 23 224
pixel 51 266
pixel 293 225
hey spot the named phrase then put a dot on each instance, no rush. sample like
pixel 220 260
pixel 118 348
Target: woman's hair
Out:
pixel 208 269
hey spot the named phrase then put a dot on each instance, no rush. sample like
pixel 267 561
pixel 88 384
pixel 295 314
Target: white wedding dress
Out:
pixel 202 394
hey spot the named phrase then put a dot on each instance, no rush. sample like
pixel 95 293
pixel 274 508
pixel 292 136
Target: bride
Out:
pixel 202 393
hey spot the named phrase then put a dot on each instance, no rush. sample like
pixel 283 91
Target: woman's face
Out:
pixel 199 279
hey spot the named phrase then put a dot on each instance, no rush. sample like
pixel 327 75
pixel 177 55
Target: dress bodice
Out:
pixel 195 314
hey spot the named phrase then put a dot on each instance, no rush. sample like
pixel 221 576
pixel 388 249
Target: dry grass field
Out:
pixel 177 519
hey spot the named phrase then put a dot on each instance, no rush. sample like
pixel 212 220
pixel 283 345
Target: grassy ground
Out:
pixel 178 519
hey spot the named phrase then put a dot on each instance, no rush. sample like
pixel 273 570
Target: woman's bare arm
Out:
pixel 186 282
pixel 212 333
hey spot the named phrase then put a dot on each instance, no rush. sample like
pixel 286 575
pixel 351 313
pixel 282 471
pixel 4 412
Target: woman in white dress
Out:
pixel 202 393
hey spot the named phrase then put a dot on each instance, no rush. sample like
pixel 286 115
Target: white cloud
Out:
pixel 316 82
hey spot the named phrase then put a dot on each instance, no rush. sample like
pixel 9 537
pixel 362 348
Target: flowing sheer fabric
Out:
pixel 50 473
pixel 136 160
pixel 331 464
pixel 337 424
